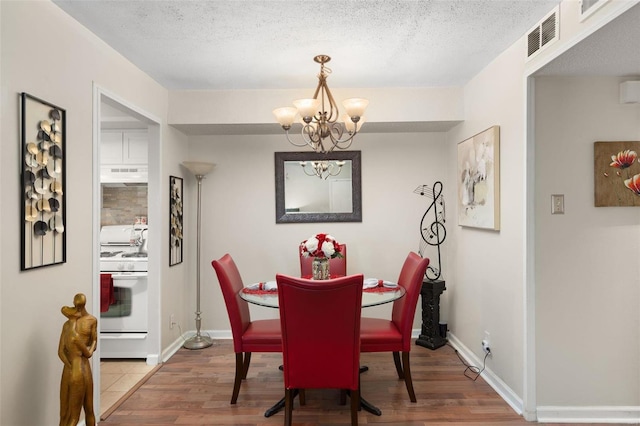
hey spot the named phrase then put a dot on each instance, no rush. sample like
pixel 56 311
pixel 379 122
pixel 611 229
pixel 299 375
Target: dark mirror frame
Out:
pixel 356 191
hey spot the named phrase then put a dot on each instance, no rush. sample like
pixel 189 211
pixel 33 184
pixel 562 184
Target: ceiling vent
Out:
pixel 543 34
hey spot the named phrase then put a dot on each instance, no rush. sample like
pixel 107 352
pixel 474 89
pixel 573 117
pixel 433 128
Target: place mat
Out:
pixel 268 287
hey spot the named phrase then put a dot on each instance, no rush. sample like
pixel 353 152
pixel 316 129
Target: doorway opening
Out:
pixel 126 200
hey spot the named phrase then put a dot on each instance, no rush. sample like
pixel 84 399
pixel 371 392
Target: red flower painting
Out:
pixel 624 159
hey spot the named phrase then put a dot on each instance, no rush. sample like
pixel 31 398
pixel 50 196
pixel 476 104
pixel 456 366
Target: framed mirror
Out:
pixel 334 194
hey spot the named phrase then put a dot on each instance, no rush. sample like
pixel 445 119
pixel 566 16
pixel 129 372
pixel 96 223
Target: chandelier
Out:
pixel 321 130
pixel 323 169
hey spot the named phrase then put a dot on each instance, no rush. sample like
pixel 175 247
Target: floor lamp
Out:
pixel 200 170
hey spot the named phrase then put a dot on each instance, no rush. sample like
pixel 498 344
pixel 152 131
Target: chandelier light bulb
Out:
pixel 350 125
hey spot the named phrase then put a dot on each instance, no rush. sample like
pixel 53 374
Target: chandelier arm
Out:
pixel 336 134
pixel 305 143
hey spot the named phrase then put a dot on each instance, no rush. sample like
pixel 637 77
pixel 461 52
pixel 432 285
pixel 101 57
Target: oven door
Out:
pixel 129 312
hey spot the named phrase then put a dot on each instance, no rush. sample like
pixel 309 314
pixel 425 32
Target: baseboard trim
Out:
pixel 505 392
pixel 597 414
pixel 550 414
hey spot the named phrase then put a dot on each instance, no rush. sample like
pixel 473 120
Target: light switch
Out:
pixel 557 203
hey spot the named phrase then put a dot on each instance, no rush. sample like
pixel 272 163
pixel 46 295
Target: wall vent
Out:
pixel 543 34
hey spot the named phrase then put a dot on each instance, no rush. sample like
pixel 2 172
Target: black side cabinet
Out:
pixel 430 336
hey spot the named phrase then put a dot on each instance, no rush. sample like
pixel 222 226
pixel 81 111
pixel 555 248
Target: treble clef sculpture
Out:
pixel 433 233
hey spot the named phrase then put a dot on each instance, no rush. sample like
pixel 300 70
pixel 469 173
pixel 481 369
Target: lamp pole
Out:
pixel 198 341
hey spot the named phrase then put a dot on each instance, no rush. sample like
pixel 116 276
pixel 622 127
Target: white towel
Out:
pixel 268 286
pixel 374 282
pixel 369 283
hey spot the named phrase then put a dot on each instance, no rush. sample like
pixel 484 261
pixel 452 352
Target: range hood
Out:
pixel 124 174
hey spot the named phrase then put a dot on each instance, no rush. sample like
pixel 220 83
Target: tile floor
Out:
pixel 117 376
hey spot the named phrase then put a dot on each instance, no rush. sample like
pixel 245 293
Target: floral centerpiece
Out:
pixel 321 247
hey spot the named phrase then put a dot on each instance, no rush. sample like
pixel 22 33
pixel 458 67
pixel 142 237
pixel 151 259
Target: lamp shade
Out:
pixel 355 106
pixel 307 107
pixel 285 115
pixel 198 168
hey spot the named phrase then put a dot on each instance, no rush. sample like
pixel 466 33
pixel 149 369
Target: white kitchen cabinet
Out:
pixel 123 147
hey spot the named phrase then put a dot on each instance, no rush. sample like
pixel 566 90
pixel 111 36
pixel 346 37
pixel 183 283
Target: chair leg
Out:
pixel 396 361
pixel 238 379
pixel 355 405
pixel 302 396
pixel 407 376
pixel 247 361
pixel 288 406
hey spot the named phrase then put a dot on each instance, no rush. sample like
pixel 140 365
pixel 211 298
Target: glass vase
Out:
pixel 320 268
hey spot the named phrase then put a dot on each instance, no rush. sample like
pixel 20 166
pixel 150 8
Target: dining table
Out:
pixel 375 292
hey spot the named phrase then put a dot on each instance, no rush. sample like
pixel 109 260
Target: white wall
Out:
pixel 485 287
pixel 587 271
pixel 47 54
pixel 239 211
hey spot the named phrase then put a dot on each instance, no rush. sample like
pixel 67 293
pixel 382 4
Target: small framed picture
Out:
pixel 43 184
pixel 175 220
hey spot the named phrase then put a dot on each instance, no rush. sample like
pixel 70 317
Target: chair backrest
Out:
pixel 337 265
pixel 320 323
pixel 238 310
pixel 404 309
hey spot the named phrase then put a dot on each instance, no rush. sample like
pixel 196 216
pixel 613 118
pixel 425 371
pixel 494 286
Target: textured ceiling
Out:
pixel 270 44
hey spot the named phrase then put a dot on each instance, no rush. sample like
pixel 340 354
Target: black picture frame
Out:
pixel 43 240
pixel 282 216
pixel 175 220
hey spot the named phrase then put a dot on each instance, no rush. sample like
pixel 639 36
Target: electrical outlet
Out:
pixel 485 342
pixel 172 321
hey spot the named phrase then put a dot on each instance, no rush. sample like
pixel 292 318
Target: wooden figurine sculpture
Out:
pixel 77 343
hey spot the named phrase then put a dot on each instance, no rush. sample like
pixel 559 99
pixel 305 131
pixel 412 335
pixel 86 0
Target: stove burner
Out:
pixel 134 254
pixel 109 253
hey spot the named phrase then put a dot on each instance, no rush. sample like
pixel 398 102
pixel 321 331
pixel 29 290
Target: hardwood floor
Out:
pixel 194 388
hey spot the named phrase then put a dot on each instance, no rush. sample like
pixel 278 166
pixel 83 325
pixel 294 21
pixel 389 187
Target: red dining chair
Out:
pixel 320 323
pixel 248 336
pixel 394 335
pixel 337 265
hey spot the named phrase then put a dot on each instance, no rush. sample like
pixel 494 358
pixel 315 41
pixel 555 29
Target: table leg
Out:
pixel 366 405
pixel 275 408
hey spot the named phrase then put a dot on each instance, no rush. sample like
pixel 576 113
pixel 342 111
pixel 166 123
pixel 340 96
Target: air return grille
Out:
pixel 545 32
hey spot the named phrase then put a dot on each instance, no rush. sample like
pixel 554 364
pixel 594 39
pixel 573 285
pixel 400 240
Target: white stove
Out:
pixel 120 248
pixel 124 318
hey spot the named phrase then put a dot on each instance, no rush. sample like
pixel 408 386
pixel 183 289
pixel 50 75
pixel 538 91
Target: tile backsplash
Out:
pixel 122 204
